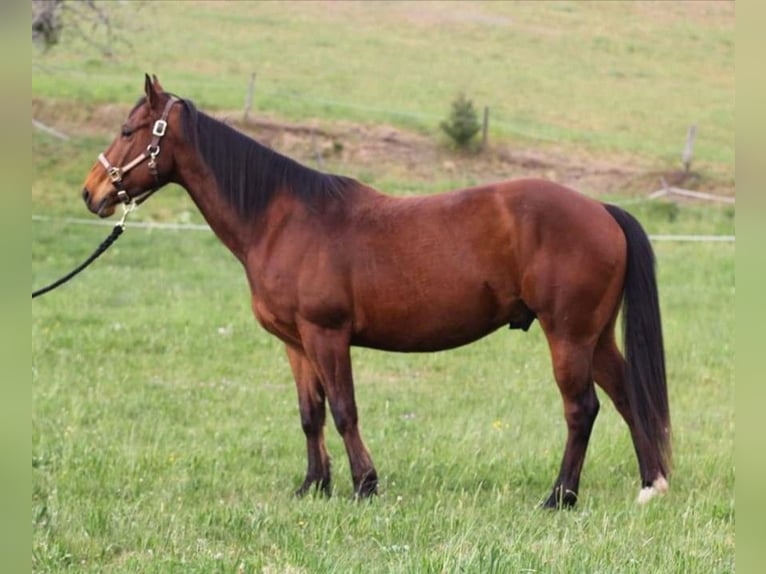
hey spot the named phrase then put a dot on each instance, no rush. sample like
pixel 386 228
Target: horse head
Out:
pixel 140 159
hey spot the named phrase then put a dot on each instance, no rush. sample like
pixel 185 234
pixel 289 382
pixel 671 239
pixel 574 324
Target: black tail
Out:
pixel 644 350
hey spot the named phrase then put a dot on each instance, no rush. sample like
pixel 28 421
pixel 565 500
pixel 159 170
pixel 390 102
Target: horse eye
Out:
pixel 126 132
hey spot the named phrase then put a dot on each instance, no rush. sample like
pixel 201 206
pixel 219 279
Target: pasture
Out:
pixel 165 430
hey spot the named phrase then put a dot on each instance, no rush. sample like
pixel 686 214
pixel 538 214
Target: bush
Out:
pixel 463 122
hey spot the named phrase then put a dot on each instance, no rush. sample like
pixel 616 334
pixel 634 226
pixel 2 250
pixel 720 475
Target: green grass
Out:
pixel 165 431
pixel 166 435
pixel 62 167
pixel 609 77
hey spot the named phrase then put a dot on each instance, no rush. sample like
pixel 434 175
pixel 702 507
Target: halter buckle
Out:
pixel 115 174
pixel 160 126
pixel 154 151
pixel 127 207
pixel 123 196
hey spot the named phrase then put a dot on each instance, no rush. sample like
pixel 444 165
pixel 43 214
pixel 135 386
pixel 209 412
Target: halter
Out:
pixel 152 151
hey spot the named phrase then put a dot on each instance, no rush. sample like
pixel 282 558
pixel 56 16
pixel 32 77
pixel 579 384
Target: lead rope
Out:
pixel 105 244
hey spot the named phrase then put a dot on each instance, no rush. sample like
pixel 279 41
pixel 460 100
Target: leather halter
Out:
pixel 152 151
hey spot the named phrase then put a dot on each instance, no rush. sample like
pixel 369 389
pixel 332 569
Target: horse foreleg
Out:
pixel 572 369
pixel 311 403
pixel 328 350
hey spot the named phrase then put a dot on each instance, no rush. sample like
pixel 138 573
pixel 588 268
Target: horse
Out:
pixel 333 263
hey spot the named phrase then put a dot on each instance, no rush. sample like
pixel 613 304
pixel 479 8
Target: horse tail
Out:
pixel 644 350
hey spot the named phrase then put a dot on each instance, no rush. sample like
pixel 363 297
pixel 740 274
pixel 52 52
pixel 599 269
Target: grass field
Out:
pixel 166 434
pixel 165 431
pixel 613 77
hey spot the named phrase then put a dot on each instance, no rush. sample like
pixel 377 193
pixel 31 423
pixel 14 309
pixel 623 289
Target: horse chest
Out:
pixel 276 323
pixel 272 306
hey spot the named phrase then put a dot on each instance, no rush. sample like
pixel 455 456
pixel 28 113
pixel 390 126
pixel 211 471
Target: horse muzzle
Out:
pixel 103 208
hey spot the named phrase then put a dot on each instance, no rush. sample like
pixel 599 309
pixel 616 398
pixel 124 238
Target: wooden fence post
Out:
pixel 317 154
pixel 688 153
pixel 249 97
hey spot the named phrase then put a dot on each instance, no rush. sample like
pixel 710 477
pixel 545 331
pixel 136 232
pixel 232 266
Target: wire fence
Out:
pixel 177 226
pixel 423 119
pixel 265 94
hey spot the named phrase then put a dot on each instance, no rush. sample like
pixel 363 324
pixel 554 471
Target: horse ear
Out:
pixel 151 97
pixel 157 87
pixel 152 90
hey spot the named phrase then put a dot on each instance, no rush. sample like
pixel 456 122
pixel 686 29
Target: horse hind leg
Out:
pixel 609 372
pixel 311 403
pixel 573 372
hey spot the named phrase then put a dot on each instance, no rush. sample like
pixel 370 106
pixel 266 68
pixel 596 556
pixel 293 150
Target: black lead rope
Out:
pixel 128 206
pixel 128 203
pixel 105 244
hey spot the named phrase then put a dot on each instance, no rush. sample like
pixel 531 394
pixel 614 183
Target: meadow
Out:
pixel 165 429
pixel 620 77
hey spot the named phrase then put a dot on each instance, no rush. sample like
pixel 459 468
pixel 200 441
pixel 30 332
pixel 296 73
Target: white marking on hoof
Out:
pixel 659 486
pixel 646 494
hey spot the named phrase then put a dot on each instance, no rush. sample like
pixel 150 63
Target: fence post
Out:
pixel 317 154
pixel 249 97
pixel 688 153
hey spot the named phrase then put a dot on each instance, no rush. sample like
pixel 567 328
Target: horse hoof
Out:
pixel 368 486
pixel 556 502
pixel 659 486
pixel 319 486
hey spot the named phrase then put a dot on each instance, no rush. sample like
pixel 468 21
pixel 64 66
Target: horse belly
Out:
pixel 441 273
pixel 453 316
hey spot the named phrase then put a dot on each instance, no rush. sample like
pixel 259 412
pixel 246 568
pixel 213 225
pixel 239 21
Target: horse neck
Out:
pixel 242 212
pixel 200 183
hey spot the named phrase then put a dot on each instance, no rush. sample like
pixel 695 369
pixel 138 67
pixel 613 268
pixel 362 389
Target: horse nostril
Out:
pixel 85 195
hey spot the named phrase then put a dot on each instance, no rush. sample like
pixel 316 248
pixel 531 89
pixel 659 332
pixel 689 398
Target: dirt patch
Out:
pixel 414 157
pixel 386 153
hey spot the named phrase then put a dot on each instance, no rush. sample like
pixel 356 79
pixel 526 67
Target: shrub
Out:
pixel 463 122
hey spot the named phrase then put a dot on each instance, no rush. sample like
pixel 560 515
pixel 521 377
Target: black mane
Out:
pixel 250 174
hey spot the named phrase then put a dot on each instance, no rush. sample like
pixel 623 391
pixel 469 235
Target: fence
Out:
pixel 173 226
pixel 421 118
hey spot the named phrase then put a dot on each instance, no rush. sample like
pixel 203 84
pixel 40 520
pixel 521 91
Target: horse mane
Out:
pixel 250 174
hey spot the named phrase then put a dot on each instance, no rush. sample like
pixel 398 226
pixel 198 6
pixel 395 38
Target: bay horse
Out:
pixel 332 263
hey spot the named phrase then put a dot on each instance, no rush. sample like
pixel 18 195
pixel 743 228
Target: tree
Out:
pixel 80 18
pixel 463 122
